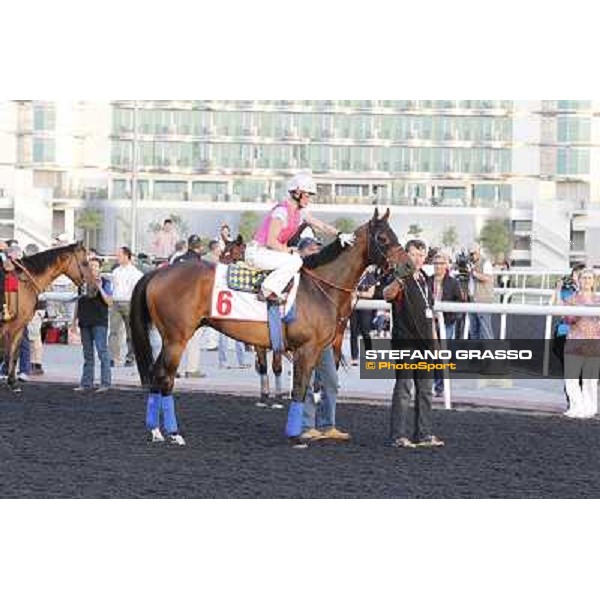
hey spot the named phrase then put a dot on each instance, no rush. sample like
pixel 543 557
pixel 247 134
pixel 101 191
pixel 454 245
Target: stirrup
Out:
pixel 272 298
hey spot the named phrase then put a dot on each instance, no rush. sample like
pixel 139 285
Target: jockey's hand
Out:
pixel 346 239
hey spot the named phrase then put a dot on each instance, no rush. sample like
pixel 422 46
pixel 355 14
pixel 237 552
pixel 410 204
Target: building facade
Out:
pixel 440 163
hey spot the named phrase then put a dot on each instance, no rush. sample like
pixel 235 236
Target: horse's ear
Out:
pixel 240 239
pixel 375 215
pixel 386 216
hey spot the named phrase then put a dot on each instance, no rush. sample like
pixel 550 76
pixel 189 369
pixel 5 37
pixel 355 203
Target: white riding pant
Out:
pixel 285 266
pixel 583 399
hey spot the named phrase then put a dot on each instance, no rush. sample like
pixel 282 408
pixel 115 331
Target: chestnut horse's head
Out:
pixel 234 251
pixel 382 246
pixel 78 269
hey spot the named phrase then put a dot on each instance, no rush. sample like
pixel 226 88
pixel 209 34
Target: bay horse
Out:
pixel 36 273
pixel 177 300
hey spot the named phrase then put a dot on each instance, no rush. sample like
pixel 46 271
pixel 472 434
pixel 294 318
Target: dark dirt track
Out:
pixel 54 443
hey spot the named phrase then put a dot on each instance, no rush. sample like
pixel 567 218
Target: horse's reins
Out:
pixel 24 269
pixel 316 278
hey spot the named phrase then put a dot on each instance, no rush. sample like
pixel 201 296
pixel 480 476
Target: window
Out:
pixel 170 190
pixel 573 129
pixel 44 150
pixel 573 161
pixel 44 117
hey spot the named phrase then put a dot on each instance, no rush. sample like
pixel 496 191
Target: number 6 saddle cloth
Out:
pixel 234 294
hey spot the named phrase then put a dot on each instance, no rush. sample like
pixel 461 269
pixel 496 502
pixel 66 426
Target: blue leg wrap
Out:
pixel 294 422
pixel 153 411
pixel 169 418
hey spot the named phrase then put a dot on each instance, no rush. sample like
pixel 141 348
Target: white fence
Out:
pixel 493 308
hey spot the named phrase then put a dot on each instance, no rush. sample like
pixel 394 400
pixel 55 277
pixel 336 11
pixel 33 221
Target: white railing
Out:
pixel 494 308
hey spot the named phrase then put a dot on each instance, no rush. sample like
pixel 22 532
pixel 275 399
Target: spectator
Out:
pixel 224 236
pixel 15 254
pixel 214 252
pixel 180 250
pixel 318 420
pixel 411 305
pixel 361 319
pixel 144 264
pixel 165 239
pixel 124 278
pixel 582 355
pixel 445 289
pixel 190 360
pixel 481 287
pixel 92 315
pixel 7 297
pixel 381 322
pixel 34 328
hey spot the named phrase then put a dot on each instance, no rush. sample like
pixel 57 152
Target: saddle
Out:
pixel 243 278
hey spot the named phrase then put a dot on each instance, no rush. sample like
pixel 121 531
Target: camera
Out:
pixel 568 283
pixel 464 264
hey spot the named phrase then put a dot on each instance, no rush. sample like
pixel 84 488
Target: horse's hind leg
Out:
pixel 161 397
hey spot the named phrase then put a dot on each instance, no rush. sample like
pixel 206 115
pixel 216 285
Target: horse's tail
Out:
pixel 140 321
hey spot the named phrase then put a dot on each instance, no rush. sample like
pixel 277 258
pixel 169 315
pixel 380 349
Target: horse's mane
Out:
pixel 326 255
pixel 40 262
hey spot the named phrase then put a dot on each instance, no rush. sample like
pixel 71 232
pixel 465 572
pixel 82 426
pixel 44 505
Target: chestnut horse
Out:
pixel 36 273
pixel 177 301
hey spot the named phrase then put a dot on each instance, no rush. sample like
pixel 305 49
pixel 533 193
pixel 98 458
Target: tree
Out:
pixel 414 230
pixel 344 224
pixel 90 220
pixel 249 222
pixel 450 238
pixel 496 239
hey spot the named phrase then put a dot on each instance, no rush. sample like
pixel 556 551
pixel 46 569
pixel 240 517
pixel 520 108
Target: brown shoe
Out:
pixel 336 435
pixel 311 435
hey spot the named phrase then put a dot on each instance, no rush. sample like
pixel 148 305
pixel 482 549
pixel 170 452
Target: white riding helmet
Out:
pixel 303 182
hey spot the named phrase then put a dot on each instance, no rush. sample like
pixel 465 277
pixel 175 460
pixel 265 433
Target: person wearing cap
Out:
pixel 318 418
pixel 124 278
pixel 190 360
pixel 269 251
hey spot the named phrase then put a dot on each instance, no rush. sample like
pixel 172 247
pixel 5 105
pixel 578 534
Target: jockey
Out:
pixel 269 251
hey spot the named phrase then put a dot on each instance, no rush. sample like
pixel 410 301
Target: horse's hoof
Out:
pixel 261 404
pixel 16 390
pixel 277 405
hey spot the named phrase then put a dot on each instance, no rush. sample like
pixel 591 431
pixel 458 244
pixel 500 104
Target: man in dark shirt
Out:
pixel 412 320
pixel 92 315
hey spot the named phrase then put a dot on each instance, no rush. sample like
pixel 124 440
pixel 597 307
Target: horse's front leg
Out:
pixel 305 359
pixel 262 369
pixel 277 366
pixel 11 357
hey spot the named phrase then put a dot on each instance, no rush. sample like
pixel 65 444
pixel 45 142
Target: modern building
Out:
pixel 436 163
